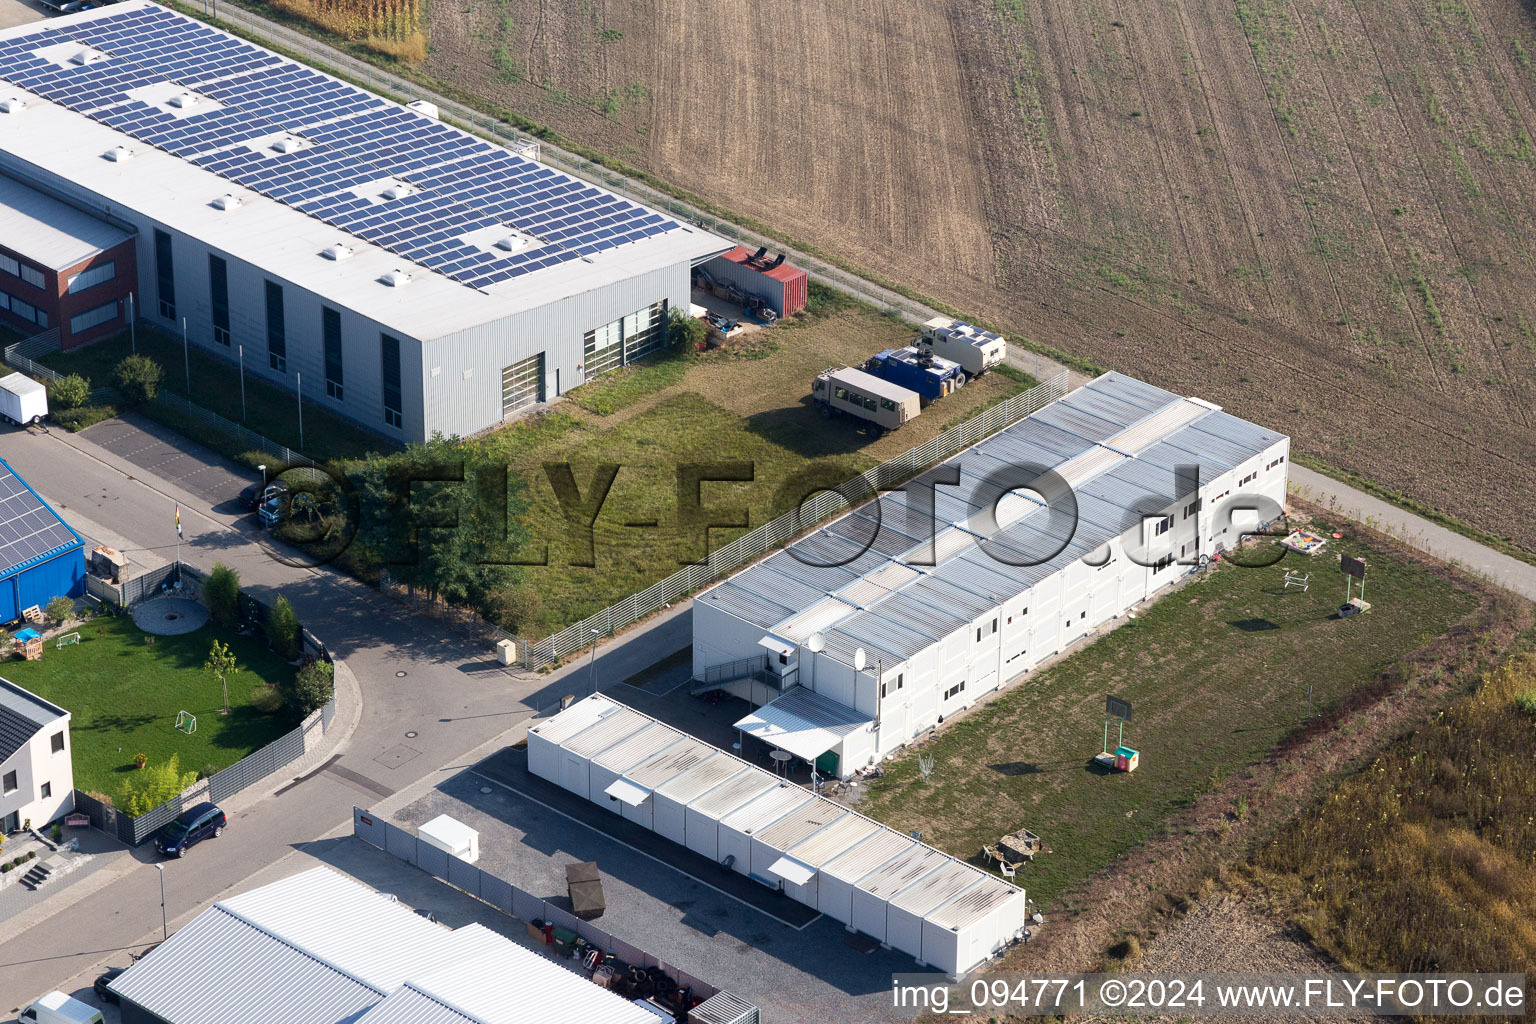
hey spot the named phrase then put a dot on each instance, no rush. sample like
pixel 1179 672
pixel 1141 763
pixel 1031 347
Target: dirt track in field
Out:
pixel 1319 213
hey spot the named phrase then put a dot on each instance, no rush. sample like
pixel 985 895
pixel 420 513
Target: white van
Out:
pixel 58 1008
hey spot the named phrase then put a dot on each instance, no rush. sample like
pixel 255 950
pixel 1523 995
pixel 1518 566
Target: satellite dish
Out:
pixel 859 660
pixel 816 643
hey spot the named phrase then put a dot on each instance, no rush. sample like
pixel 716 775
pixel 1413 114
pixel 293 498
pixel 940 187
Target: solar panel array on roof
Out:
pixel 240 96
pixel 30 531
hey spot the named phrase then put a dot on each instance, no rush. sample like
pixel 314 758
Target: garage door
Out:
pixel 522 384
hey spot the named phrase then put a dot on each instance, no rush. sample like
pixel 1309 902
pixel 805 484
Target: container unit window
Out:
pixel 102 314
pixel 389 367
pixel 91 277
pixel 165 275
pixel 218 297
pixel 955 691
pixel 277 336
pixel 1191 508
pixel 1278 462
pixel 330 324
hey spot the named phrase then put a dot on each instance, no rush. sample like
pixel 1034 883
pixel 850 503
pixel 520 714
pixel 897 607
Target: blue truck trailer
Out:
pixel 917 370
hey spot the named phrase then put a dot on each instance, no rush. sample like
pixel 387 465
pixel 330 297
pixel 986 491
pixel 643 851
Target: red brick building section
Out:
pixel 61 268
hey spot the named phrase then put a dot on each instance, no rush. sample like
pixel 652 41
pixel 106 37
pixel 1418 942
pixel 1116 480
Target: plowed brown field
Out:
pixel 1320 213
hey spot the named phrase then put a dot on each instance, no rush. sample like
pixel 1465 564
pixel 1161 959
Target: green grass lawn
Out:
pixel 1217 673
pixel 269 410
pixel 123 695
pixel 621 388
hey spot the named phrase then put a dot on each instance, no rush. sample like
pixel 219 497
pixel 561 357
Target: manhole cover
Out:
pixel 397 755
pixel 411 735
pixel 485 789
pixel 399 675
pixel 171 616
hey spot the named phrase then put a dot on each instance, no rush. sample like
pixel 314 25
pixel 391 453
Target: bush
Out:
pixel 70 392
pixel 59 609
pixel 76 420
pixel 283 629
pixel 517 609
pixel 145 790
pixel 1527 702
pixel 138 378
pixel 56 833
pixel 222 592
pixel 686 333
pixel 312 687
pixel 267 700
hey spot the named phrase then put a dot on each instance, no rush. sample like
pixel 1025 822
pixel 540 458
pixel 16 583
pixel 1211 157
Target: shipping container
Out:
pixel 701 832
pixel 783 288
pixel 738 828
pixel 905 913
pixel 837 880
pixel 671 801
pixel 649 776
pixel 873 894
pixel 607 783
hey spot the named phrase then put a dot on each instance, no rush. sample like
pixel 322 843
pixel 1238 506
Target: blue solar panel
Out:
pixel 354 139
pixel 29 529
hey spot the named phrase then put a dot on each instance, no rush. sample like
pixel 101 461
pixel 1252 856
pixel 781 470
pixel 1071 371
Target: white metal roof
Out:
pixel 561 727
pixel 803 722
pixel 50 233
pixel 612 729
pixel 927 895
pixel 802 823
pixel 857 861
pixel 703 777
pixel 868 383
pixel 450 830
pixel 843 834
pixel 911 866
pixel 642 746
pixel 974 903
pixel 493 980
pixel 670 763
pixel 755 818
pixel 734 792
pixel 626 792
pixel 285 242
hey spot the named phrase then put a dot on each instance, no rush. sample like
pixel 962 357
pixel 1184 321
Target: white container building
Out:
pixel 545 738
pixel 875 628
pixel 649 776
pixel 672 799
pixel 873 894
pixel 452 836
pixel 701 828
pixel 947 913
pixel 837 880
pixel 578 752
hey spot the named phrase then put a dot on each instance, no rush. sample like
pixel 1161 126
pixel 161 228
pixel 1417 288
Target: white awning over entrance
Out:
pixel 803 722
pixel 626 792
pixel 792 871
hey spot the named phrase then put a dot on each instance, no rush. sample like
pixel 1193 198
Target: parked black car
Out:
pixel 102 992
pixel 191 828
pixel 252 496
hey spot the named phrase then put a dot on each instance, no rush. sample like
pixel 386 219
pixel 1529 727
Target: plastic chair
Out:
pixel 1007 869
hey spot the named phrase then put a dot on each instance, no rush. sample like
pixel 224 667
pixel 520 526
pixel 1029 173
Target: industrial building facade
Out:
pixel 402 272
pixel 41 557
pixel 875 628
pixel 945 913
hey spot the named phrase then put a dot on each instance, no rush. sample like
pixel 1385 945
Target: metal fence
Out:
pixel 186 581
pixel 775 533
pixel 504 896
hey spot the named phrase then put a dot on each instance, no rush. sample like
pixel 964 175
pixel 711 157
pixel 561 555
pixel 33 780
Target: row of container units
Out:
pixel 945 913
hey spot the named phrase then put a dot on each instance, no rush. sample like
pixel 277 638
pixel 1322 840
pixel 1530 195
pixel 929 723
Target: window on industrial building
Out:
pixel 1161 564
pixel 900 679
pixel 165 275
pixel 10 782
pixel 1250 478
pixel 25 310
pixel 218 296
pixel 624 340
pixel 389 358
pixel 330 323
pixel 32 276
pixel 102 314
pixel 1191 508
pixel 1163 526
pixel 57 743
pixel 92 277
pixel 958 688
pixel 10 266
pixel 978 634
pixel 994 625
pixel 1272 465
pixel 277 337
pixel 46 792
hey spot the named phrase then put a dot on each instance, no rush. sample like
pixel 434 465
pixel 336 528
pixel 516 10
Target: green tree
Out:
pixel 222 592
pixel 70 392
pixel 283 628
pixel 149 787
pixel 59 609
pixel 221 662
pixel 314 684
pixel 686 333
pixel 445 519
pixel 138 378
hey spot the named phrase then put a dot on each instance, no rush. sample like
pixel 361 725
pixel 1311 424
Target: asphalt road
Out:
pixel 444 688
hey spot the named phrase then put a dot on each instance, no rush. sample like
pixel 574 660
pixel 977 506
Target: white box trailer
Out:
pixel 670 801
pixel 545 738
pixel 452 836
pixel 576 753
pixel 968 929
pixel 738 827
pixel 22 399
pixel 606 776
pixel 976 350
pixel 800 866
pixel 838 878
pixel 905 913
pixel 873 895
pixel 701 828
pixel 649 776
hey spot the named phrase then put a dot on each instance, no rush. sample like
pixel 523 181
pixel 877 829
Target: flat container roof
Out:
pixel 670 763
pixel 561 727
pixel 599 736
pixel 857 861
pixel 926 895
pixel 642 746
pixel 48 232
pixel 843 834
pixel 902 872
pixel 1115 440
pixel 973 904
pixel 734 792
pixel 702 778
pixel 872 385
pixel 485 232
pixel 766 808
pixel 801 823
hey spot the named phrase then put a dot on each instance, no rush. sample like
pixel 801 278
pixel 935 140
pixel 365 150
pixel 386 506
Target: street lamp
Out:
pixel 592 665
pixel 165 932
pixel 263 469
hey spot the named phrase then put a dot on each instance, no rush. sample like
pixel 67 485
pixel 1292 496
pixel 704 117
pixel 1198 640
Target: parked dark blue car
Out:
pixel 192 827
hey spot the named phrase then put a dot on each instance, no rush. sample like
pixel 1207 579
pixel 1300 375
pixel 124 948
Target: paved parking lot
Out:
pixel 804 973
pixel 16 12
pixel 170 456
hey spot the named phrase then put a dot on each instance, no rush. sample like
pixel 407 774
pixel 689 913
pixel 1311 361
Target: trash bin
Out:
pixel 506 651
